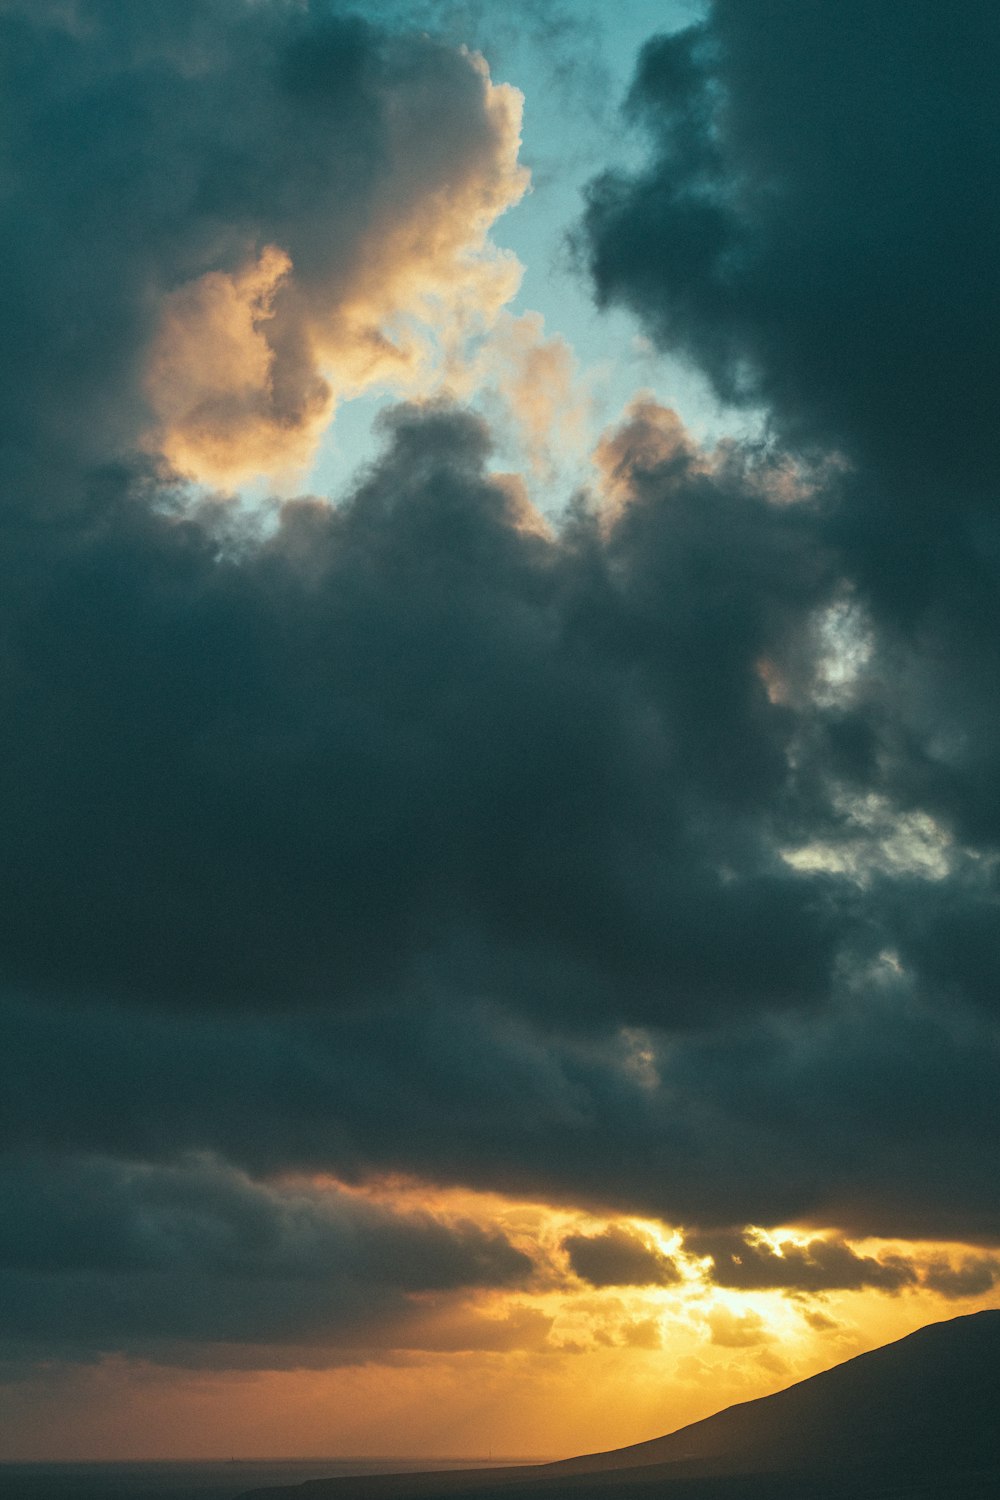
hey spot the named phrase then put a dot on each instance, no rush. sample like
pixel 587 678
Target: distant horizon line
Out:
pixel 321 1458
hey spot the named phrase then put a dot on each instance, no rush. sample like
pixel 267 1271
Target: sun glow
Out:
pixel 750 1305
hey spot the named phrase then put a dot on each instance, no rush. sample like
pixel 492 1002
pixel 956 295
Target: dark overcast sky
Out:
pixel 643 860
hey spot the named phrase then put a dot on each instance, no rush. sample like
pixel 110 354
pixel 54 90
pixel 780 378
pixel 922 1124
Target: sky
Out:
pixel 498 648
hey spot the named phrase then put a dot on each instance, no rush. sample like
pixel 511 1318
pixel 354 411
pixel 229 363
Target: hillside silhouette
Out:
pixel 916 1418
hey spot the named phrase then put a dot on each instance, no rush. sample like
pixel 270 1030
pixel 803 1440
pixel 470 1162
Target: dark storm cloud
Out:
pixel 742 1260
pixel 405 746
pixel 619 1257
pixel 816 222
pixel 820 1265
pixel 814 228
pixel 103 1215
pixel 757 1123
pixel 971 1278
pixel 98 1255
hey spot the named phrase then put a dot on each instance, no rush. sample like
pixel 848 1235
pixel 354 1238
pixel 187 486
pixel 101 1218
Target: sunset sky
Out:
pixel 500 660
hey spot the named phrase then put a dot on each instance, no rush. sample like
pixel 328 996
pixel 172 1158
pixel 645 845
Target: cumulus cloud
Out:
pixel 754 1264
pixel 294 756
pixel 737 1330
pixel 790 262
pixel 970 1278
pixel 534 381
pixel 812 228
pixel 270 208
pixel 245 369
pixel 619 1257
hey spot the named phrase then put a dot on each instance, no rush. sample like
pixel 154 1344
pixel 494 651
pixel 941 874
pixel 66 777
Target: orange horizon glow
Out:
pixel 546 1370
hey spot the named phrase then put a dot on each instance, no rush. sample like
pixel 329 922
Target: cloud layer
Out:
pixel 641 856
pixel 170 1263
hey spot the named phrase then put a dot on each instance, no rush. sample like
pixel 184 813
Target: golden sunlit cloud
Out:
pixel 650 437
pixel 534 381
pixel 213 378
pixel 247 366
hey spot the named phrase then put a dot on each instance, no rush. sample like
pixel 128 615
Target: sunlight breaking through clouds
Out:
pixel 500 758
pixel 247 367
